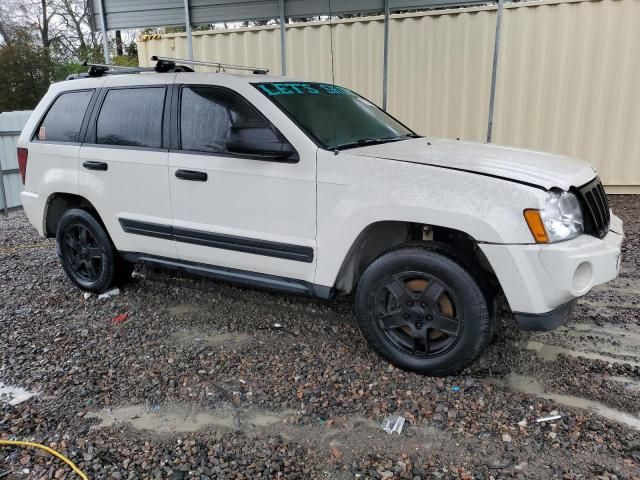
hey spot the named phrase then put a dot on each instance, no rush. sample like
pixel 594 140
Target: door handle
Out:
pixel 192 175
pixel 95 165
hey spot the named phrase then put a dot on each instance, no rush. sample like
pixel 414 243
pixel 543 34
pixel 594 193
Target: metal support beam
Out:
pixel 103 28
pixel 385 59
pixel 494 73
pixel 283 40
pixel 3 194
pixel 187 22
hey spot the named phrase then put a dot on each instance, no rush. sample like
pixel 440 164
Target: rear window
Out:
pixel 63 120
pixel 132 117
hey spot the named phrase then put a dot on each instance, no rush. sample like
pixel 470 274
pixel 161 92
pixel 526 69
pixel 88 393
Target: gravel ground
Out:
pixel 199 382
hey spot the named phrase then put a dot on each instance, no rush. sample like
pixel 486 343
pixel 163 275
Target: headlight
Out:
pixel 560 219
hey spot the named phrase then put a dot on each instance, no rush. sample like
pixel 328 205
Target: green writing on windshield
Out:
pixel 289 88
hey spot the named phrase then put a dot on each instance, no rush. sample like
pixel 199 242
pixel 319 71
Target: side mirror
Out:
pixel 261 141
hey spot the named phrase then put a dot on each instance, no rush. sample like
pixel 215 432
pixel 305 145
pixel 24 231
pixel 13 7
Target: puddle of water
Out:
pixel 182 419
pixel 551 352
pixel 533 386
pixel 625 336
pixel 617 286
pixel 14 395
pixel 629 383
pixel 212 338
pixel 618 304
pixel 183 308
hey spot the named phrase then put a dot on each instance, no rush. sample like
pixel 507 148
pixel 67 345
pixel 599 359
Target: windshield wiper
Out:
pixel 361 142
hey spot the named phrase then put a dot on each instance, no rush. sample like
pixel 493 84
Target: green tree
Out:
pixel 26 71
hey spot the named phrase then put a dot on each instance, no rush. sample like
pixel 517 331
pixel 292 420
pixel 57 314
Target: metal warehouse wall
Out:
pixel 11 124
pixel 568 75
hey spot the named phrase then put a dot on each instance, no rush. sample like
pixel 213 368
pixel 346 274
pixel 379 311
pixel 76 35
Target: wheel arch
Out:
pixel 381 237
pixel 60 202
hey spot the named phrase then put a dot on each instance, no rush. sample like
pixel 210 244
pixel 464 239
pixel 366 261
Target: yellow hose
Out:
pixel 46 449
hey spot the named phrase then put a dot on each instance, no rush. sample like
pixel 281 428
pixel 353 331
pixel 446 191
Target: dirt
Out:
pixel 209 380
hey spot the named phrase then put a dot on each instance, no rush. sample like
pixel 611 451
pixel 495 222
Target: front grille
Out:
pixel 595 208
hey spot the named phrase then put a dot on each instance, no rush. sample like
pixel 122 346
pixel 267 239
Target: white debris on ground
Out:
pixel 393 424
pixel 109 294
pixel 553 416
pixel 14 395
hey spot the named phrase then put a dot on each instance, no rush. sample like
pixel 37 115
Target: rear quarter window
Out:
pixel 63 121
pixel 132 117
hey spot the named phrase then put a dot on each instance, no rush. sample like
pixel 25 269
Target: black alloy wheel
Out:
pixel 88 256
pixel 423 310
pixel 81 251
pixel 418 314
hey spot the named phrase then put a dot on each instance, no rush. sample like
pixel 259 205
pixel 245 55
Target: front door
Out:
pixel 242 212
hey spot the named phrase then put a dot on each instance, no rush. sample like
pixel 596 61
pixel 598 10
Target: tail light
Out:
pixel 23 155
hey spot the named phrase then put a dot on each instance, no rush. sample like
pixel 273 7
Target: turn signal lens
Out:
pixel 536 225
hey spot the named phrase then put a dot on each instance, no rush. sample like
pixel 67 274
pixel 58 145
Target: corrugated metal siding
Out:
pixel 156 13
pixel 11 124
pixel 569 82
pixel 568 78
pixel 440 72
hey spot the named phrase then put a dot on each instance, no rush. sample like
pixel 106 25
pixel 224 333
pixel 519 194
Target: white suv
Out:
pixel 308 188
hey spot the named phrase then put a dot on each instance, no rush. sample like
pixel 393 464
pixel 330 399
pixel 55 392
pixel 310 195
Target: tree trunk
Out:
pixel 119 49
pixel 44 29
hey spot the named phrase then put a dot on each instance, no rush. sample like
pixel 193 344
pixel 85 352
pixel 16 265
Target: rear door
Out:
pixel 233 210
pixel 123 164
pixel 54 146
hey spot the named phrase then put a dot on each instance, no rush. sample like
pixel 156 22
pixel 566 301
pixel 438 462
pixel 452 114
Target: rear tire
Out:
pixel 88 256
pixel 423 311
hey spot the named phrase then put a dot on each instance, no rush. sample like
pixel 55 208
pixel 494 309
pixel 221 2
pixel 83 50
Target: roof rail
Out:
pixel 218 65
pixel 163 64
pixel 100 69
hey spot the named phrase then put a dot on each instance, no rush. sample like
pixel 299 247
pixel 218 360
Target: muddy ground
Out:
pixel 199 382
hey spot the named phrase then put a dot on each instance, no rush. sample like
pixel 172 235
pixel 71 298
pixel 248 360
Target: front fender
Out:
pixel 355 192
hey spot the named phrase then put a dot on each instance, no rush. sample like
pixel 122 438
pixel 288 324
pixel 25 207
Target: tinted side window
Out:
pixel 207 114
pixel 132 117
pixel 64 119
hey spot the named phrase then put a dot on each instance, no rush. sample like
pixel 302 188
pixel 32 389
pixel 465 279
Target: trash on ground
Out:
pixel 109 294
pixel 135 274
pixel 278 325
pixel 548 419
pixel 455 389
pixel 393 424
pixel 120 318
pixel 16 395
pixel 336 453
pixel 86 295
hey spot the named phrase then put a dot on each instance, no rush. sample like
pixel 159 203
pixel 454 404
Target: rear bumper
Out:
pixel 538 279
pixel 34 206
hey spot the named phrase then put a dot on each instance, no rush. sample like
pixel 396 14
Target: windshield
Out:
pixel 333 116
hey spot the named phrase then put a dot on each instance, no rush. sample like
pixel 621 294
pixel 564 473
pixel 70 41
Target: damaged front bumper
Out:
pixel 542 282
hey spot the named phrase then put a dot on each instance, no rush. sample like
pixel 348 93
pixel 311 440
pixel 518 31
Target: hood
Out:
pixel 514 164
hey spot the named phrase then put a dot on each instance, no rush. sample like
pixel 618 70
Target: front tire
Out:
pixel 87 254
pixel 423 311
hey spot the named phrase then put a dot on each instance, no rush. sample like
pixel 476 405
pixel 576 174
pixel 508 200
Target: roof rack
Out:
pixel 100 69
pixel 163 65
pixel 218 65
